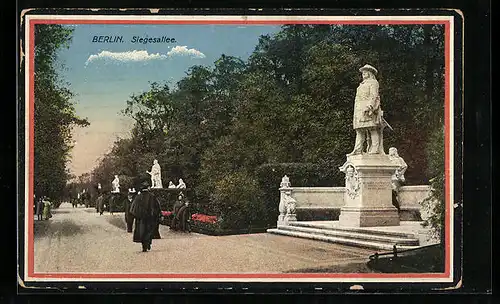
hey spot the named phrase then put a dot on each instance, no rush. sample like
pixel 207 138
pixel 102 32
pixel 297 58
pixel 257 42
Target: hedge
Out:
pixel 301 175
pixel 247 202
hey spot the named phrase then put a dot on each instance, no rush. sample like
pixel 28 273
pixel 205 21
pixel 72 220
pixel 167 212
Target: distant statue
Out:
pixel 155 175
pixel 171 185
pixel 398 177
pixel 367 119
pixel 116 184
pixel 181 184
pixel 285 182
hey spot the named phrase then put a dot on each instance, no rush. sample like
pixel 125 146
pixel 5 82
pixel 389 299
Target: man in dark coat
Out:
pixel 146 210
pixel 180 215
pixel 100 204
pixel 129 219
pixel 39 208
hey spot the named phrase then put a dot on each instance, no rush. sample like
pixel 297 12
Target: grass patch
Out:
pixel 428 259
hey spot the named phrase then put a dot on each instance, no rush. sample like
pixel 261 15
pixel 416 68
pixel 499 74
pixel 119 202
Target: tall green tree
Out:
pixel 54 113
pixel 290 102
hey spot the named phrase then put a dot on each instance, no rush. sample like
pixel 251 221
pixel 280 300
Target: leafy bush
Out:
pixel 435 204
pixel 300 174
pixel 237 200
pixel 168 196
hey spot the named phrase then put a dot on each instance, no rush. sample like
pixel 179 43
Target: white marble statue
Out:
pixel 367 119
pixel 285 182
pixel 181 184
pixel 398 178
pixel 171 185
pixel 116 184
pixel 287 203
pixel 155 175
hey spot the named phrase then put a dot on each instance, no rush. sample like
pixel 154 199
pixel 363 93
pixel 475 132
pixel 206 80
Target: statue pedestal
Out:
pixel 368 195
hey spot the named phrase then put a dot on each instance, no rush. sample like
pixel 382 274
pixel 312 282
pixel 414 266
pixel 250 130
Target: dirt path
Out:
pixel 80 240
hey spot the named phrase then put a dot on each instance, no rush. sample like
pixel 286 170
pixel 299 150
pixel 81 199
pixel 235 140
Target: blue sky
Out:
pixel 104 75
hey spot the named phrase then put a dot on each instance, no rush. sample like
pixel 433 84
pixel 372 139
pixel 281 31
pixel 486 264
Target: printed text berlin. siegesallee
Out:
pixel 135 39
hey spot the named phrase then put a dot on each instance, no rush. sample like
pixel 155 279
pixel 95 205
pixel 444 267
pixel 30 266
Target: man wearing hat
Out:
pixel 129 219
pixel 146 211
pixel 367 119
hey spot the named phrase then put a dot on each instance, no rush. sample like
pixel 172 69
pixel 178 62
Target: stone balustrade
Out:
pixel 324 203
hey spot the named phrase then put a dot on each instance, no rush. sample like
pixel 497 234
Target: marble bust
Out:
pixel 155 175
pixel 285 182
pixel 181 184
pixel 398 177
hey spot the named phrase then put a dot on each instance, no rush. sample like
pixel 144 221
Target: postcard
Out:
pixel 256 148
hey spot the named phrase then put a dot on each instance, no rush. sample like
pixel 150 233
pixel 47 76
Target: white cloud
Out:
pixel 184 51
pixel 129 56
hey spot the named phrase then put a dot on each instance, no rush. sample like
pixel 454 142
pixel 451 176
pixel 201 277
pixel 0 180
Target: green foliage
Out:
pixel 301 175
pixel 232 130
pixel 54 114
pixel 168 197
pixel 435 204
pixel 238 201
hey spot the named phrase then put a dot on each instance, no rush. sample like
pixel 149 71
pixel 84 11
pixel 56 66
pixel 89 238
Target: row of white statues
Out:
pixel 155 180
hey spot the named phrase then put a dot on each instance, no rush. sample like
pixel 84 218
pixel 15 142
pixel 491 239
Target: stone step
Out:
pixel 339 240
pixel 352 229
pixel 355 235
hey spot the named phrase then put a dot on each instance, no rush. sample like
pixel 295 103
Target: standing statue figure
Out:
pixel 155 175
pixel 367 119
pixel 116 184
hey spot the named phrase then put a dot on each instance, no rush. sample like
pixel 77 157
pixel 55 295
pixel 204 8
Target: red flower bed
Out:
pixel 166 213
pixel 204 218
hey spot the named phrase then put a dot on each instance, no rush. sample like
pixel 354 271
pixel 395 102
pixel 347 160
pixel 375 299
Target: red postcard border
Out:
pixel 448 186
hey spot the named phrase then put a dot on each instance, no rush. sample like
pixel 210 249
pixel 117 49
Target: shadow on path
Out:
pixel 50 228
pixel 59 211
pixel 118 222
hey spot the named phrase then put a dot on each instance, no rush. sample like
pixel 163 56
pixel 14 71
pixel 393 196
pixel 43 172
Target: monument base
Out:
pixel 368 217
pixel 284 220
pixel 368 195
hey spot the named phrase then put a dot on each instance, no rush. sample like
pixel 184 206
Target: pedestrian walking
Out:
pixel 39 208
pixel 46 209
pixel 146 212
pixel 100 204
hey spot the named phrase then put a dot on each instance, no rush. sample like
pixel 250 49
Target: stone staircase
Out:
pixel 360 237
